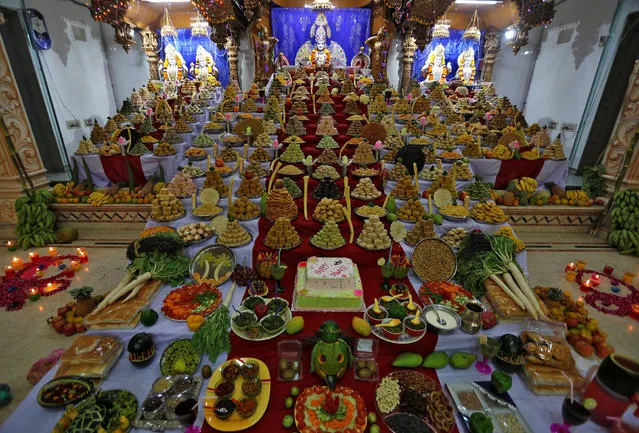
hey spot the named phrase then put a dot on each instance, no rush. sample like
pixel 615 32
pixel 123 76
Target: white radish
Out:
pixel 508 279
pixel 134 292
pixel 507 291
pixel 523 284
pixel 132 285
pixel 123 282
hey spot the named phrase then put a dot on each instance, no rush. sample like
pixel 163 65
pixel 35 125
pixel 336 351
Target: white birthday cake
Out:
pixel 328 283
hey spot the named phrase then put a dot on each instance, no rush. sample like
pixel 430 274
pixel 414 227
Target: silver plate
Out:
pixel 447 246
pixel 454 219
pixel 216 249
pixel 368 216
pixel 241 245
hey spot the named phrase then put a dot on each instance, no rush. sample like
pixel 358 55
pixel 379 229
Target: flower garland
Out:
pixel 601 301
pixel 15 290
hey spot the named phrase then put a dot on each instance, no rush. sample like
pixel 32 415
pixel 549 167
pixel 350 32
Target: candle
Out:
pixel 571 276
pixel 586 287
pixel 634 311
pixel 17 264
pixel 609 269
pixel 53 251
pixel 594 280
pixel 76 265
pixel 581 265
pixel 69 272
pixel 571 267
pixel 50 287
pixel 34 256
pixel 11 246
pixel 9 271
pixel 82 253
pixel 34 295
pixel 628 277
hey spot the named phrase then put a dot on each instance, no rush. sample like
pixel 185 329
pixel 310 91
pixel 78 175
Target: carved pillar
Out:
pixel 14 115
pixel 625 129
pixel 492 42
pixel 232 50
pixel 377 16
pixel 151 48
pixel 408 57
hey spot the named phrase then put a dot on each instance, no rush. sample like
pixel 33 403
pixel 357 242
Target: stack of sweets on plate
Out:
pixel 203 140
pixel 282 235
pixel 166 206
pixel 248 106
pixel 405 189
pixel 292 154
pixel 327 156
pixel 430 173
pixel 256 168
pixel 329 237
pixel 182 185
pixel 292 188
pixel 374 235
pixel 355 128
pixel 327 142
pixel 378 105
pixel 366 190
pixel 461 170
pixel 295 126
pixel 86 147
pixel 214 180
pixel 234 235
pixel 260 154
pixel 397 172
pixel 171 137
pixel 110 126
pixel 326 126
pixel 251 186
pixel 401 106
pixel 555 151
pixel 364 154
pixel 243 209
pixel 279 203
pixel 423 229
pixel 445 181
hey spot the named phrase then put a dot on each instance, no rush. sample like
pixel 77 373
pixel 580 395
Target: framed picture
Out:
pixel 38 31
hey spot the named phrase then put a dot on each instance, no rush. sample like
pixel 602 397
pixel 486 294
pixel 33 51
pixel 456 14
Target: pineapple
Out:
pixel 84 302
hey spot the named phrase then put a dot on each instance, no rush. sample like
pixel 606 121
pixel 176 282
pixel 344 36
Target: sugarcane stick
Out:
pixel 347 215
pixel 277 168
pixel 415 175
pixel 306 197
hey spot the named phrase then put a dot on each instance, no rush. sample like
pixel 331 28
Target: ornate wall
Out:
pixel 15 118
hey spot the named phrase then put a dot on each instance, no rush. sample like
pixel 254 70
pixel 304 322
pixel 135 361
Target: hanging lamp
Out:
pixel 472 31
pixel 167 28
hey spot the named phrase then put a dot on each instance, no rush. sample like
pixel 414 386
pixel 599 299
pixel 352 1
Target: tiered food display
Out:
pixel 329 237
pixel 166 207
pixel 182 185
pixel 282 235
pixel 374 235
pixel 279 203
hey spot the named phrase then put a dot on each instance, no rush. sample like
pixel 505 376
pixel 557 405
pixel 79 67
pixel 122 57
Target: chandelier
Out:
pixel 109 11
pixel 167 28
pixel 472 31
pixel 215 11
pixel 528 14
pixel 321 5
pixel 199 27
pixel 441 30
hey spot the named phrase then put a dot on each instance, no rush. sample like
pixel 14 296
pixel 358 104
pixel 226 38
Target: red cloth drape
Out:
pixel 511 169
pixel 115 168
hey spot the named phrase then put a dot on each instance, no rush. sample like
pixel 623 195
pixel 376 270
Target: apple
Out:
pixel 68 329
pixel 58 325
pixel 599 336
pixel 62 311
pixel 79 328
pixel 571 323
pixel 603 350
pixel 573 339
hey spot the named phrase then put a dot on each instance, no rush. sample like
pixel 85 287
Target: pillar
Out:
pixel 622 137
pixel 15 117
pixel 408 57
pixel 151 48
pixel 492 44
pixel 232 50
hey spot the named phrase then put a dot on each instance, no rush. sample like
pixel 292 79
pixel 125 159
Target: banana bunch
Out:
pixel 99 198
pixel 508 232
pixel 577 195
pixel 488 212
pixel 36 223
pixel 158 186
pixel 502 152
pixel 624 231
pixel 61 189
pixel 526 184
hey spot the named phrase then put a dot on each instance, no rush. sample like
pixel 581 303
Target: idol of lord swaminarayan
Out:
pixel 466 66
pixel 319 53
pixel 173 68
pixel 204 67
pixel 436 69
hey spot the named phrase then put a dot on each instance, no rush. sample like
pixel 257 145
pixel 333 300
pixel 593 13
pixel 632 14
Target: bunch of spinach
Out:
pixel 170 268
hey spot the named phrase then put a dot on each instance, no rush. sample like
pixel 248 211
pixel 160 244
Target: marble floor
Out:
pixel 27 337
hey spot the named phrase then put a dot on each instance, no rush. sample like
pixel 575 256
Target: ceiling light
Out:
pixel 478 2
pixel 510 34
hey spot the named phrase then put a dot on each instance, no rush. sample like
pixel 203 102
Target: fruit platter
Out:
pixel 260 319
pixel 179 358
pixel 63 391
pixel 201 299
pixel 396 321
pixel 112 411
pixel 410 401
pixel 158 410
pixel 319 409
pixel 213 264
pixel 237 395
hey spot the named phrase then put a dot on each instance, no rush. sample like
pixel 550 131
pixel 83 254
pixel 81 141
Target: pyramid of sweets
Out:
pixel 110 126
pixel 325 171
pixel 498 121
pixel 351 107
pixel 461 170
pixel 421 104
pixel 271 112
pixel 164 149
pixel 248 106
pixel 355 128
pixel 269 126
pixel 203 140
pixel 292 187
pixel 171 137
pixel 181 126
pixel 397 172
pixel 327 142
pixel 326 126
pixel 393 142
pixel 555 150
pixel 279 203
pixel 213 126
pixel 423 229
pixel 263 140
pixel 282 235
pixel 329 210
pixel 364 154
pixel 243 209
pixel 444 181
pixel 257 169
pixel 322 89
pixel 378 105
pixel 295 126
pixel 299 107
pixel 86 147
pixel 260 154
pixel 214 180
pixel 119 118
pixel 228 154
pixel 366 190
pixel 194 109
pixel 182 185
pixel 374 235
pixel 405 188
pixel 300 74
pixel 326 109
pixel 327 188
pixel 251 186
pixel 347 87
pixel 229 93
pixel 166 206
pixel 429 154
pixel 292 154
pixel 390 156
pixel 445 142
pixel 401 106
pixel 472 150
pixel 187 88
pixel 430 173
pixel 163 112
pixel 413 127
pixel 465 140
pixel 98 134
pixel 411 211
pixel 136 100
pixel 541 138
pixel 437 130
pixel 234 235
pixel 138 118
pixel 187 117
pixel 328 156
pixel 329 237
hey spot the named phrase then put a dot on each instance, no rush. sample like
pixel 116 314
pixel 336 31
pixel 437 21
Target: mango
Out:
pixel 295 325
pixel 462 360
pixel 391 206
pixel 408 360
pixel 436 360
pixel 361 326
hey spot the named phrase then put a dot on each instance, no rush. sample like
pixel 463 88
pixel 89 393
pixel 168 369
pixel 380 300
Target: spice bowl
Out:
pixel 392 333
pixel 152 407
pixel 246 407
pixel 370 315
pixel 183 384
pixel 252 387
pixel 230 370
pixel 452 319
pixel 244 319
pixel 250 370
pixel 163 385
pixel 412 329
pixel 224 389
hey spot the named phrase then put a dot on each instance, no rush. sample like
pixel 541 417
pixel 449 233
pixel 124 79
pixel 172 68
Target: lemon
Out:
pixel 590 403
pixel 381 261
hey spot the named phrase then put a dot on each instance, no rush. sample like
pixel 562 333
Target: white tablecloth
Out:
pixel 552 171
pixel 94 164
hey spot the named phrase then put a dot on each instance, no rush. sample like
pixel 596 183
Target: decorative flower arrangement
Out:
pixel 607 302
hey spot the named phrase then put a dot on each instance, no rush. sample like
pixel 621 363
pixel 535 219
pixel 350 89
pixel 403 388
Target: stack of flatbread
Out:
pixel 123 315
